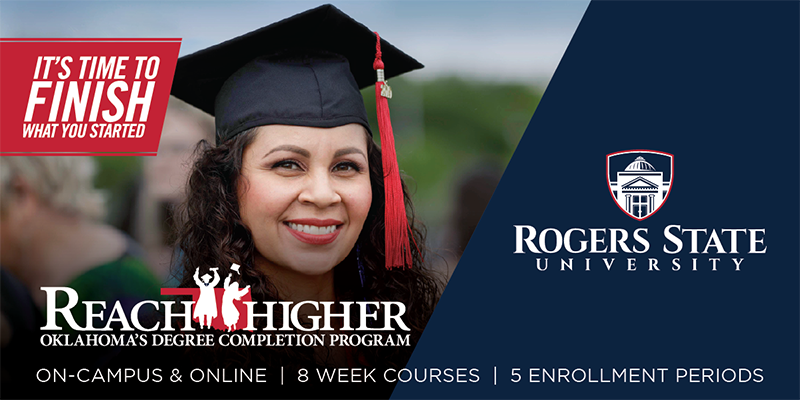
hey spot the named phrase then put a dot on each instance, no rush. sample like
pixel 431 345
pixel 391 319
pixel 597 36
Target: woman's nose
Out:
pixel 319 190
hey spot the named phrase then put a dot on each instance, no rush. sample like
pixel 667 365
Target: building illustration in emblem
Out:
pixel 639 190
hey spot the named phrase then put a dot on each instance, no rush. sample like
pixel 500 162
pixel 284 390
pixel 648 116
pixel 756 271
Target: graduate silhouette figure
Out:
pixel 206 308
pixel 230 315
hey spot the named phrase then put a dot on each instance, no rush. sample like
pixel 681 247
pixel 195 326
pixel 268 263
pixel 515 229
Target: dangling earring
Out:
pixel 360 266
pixel 361 275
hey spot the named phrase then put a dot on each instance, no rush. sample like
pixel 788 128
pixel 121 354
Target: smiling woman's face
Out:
pixel 305 195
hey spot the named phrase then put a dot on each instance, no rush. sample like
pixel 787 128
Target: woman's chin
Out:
pixel 299 260
pixel 311 267
pixel 310 264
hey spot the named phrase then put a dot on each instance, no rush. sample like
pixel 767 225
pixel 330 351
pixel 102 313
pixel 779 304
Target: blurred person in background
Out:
pixel 52 234
pixel 164 182
pixel 473 192
pixel 20 320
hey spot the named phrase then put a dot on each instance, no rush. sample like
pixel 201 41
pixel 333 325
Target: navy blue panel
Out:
pixel 716 85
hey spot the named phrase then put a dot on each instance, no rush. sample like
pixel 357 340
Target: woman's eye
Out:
pixel 346 167
pixel 287 165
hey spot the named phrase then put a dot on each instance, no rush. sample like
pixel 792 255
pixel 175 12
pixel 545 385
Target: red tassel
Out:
pixel 398 250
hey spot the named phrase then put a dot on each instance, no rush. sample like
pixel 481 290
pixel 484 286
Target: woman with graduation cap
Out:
pixel 296 190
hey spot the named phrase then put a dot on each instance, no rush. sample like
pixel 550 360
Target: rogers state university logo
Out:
pixel 639 180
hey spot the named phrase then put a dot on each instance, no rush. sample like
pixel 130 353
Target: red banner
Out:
pixel 84 96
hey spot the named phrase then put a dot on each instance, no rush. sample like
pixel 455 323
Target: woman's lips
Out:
pixel 314 231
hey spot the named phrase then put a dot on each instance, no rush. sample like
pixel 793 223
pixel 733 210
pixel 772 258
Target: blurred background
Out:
pixel 456 122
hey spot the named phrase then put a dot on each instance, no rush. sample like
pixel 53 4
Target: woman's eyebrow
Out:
pixel 348 150
pixel 294 149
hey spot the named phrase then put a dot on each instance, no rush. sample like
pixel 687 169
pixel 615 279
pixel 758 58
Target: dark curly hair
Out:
pixel 211 234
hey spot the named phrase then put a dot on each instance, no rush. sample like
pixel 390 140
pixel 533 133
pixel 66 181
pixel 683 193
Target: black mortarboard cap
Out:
pixel 305 70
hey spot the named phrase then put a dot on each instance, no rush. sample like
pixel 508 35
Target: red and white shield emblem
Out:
pixel 639 180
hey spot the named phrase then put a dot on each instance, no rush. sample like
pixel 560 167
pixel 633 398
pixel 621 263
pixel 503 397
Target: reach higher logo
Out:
pixel 640 182
pixel 226 308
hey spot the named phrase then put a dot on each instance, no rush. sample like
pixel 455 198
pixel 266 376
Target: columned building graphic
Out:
pixel 640 189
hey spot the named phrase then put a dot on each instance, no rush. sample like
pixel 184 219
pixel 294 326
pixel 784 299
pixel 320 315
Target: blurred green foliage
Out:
pixel 119 178
pixel 447 127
